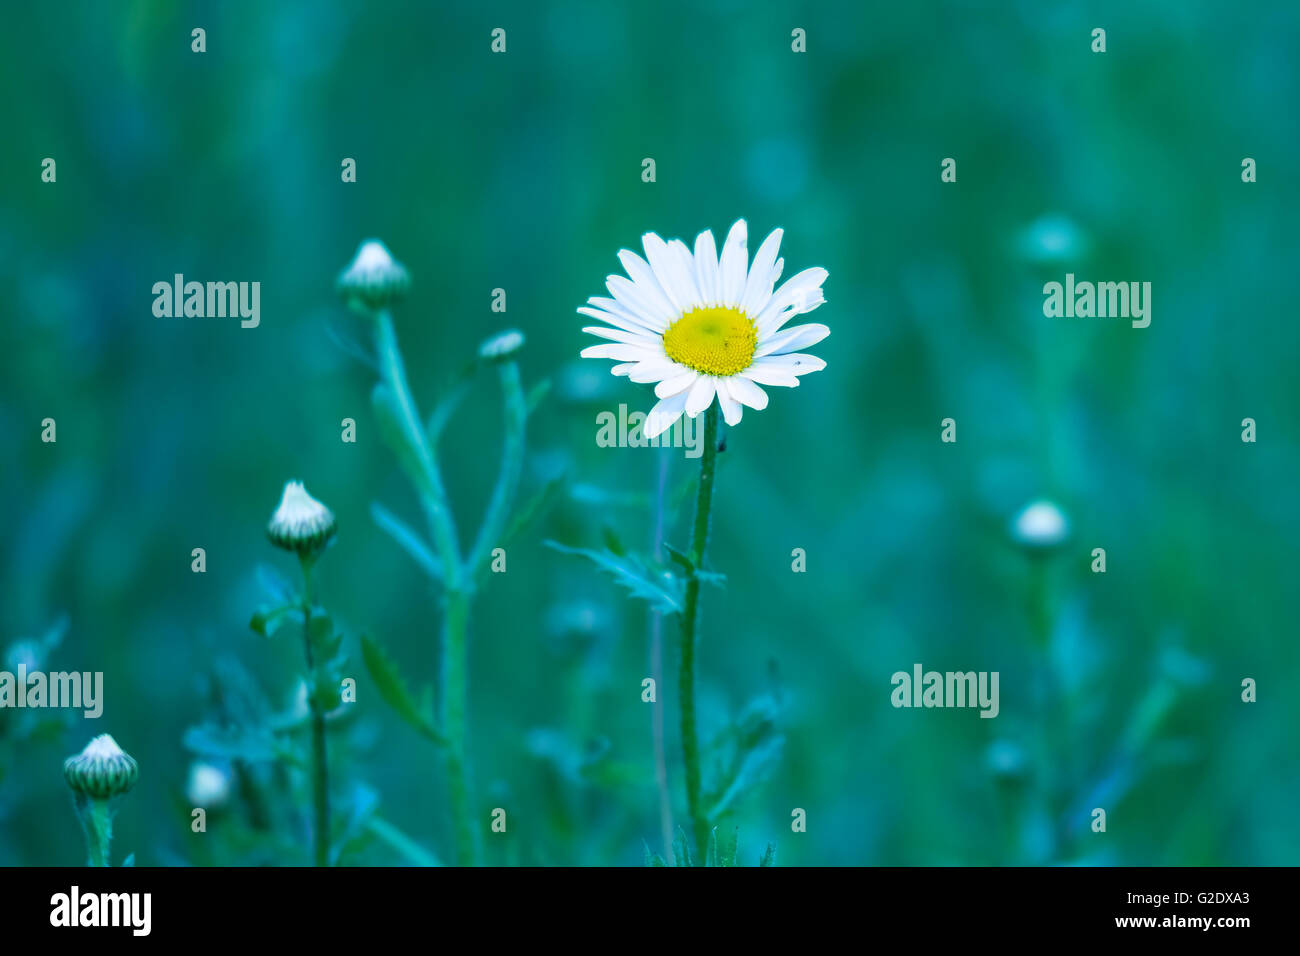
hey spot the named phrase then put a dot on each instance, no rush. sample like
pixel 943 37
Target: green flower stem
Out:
pixel 1047 743
pixel 454 691
pixel 433 496
pixel 657 672
pixel 97 822
pixel 457 574
pixel 455 653
pixel 320 757
pixel 512 459
pixel 686 678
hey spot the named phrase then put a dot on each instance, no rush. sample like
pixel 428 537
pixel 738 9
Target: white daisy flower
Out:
pixel 699 325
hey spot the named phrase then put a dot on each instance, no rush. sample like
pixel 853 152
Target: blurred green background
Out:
pixel 523 171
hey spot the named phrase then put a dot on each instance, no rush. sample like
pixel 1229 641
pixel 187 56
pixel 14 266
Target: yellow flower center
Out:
pixel 715 341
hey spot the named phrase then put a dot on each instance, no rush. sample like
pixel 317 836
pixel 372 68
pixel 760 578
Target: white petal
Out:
pixel 746 392
pixel 678 383
pixel 792 339
pixel 801 293
pixel 701 394
pixel 627 316
pixel 792 363
pixel 758 287
pixel 735 262
pixel 620 352
pixel 770 375
pixel 661 417
pixel 686 274
pixel 622 369
pixel 732 410
pixel 647 282
pixel 667 269
pixel 654 370
pixel 706 267
pixel 617 321
pixel 641 337
pixel 638 300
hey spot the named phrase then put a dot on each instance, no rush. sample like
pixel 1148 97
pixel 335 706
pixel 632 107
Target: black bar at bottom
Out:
pixel 334 906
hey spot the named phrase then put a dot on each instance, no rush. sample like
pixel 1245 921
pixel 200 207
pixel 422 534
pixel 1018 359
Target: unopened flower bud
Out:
pixel 301 523
pixel 102 770
pixel 208 785
pixel 501 346
pixel 1040 525
pixel 373 278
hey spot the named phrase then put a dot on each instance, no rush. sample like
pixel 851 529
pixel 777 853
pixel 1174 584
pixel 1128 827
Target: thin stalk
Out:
pixel 512 458
pixel 97 822
pixel 320 758
pixel 1042 802
pixel 454 674
pixel 690 609
pixel 458 574
pixel 433 496
pixel 454 691
pixel 402 843
pixel 657 673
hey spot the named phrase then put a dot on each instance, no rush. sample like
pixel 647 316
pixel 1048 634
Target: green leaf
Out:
pixel 594 496
pixel 711 854
pixel 747 752
pixel 652 859
pixel 267 620
pixel 251 744
pixel 325 641
pixel 399 841
pixel 407 539
pixel 661 589
pixel 691 568
pixel 361 807
pixel 276 585
pixel 754 769
pixel 769 856
pixel 682 849
pixel 449 402
pixel 393 689
pixel 534 508
pixel 353 346
pixel 613 543
pixel 536 394
pixel 130 860
pixel 680 557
